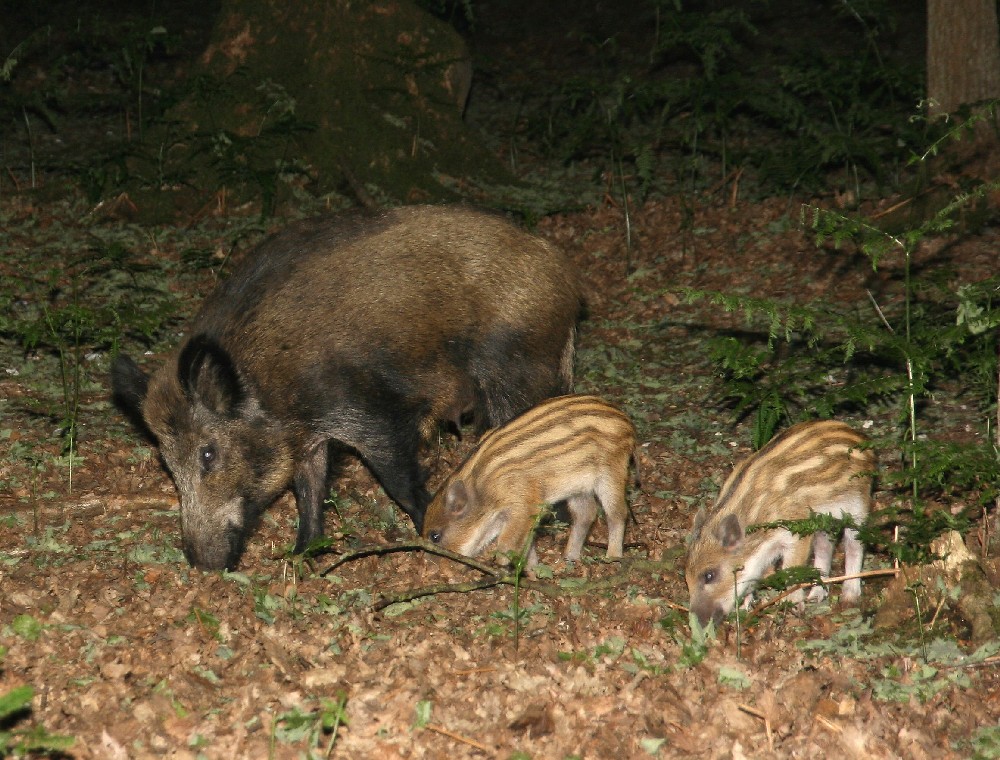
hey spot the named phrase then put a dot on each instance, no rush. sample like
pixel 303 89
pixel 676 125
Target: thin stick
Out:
pixel 767 723
pixel 443 588
pixel 412 546
pixel 865 574
pixel 994 660
pixel 838 579
pixel 944 598
pixel 493 575
pixel 822 719
pixel 457 737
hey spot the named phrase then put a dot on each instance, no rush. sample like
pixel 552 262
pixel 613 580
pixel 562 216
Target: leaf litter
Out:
pixel 135 654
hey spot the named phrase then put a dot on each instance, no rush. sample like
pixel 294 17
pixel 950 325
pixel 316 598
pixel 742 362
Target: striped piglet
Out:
pixel 575 449
pixel 818 467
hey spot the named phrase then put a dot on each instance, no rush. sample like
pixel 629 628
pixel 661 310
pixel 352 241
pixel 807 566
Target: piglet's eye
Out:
pixel 708 576
pixel 434 536
pixel 207 457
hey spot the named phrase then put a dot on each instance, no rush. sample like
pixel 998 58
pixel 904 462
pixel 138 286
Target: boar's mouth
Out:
pixel 221 553
pixel 707 610
pixel 488 533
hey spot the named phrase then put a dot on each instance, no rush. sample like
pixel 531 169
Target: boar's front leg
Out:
pixel 395 464
pixel 309 486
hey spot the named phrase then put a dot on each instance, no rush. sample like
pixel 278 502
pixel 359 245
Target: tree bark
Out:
pixel 963 53
pixel 364 97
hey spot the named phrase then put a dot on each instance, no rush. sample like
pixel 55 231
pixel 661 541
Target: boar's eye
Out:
pixel 434 536
pixel 708 576
pixel 207 457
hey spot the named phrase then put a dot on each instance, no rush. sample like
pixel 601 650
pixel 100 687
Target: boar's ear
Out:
pixel 128 389
pixel 207 374
pixel 729 532
pixel 456 499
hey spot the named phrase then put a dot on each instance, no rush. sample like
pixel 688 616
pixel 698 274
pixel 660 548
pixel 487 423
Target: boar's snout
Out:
pixel 211 547
pixel 706 609
pixel 220 551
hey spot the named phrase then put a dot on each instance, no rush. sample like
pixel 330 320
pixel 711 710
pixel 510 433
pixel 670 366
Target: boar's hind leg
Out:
pixel 309 486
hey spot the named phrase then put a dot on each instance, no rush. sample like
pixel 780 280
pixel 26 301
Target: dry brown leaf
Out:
pixel 536 720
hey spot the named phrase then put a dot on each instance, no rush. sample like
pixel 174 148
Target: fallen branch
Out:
pixel 494 576
pixel 443 588
pixel 457 737
pixel 412 546
pixel 985 663
pixel 809 584
pixel 767 722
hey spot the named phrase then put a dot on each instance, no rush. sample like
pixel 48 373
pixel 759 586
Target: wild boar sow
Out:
pixel 363 330
pixel 819 467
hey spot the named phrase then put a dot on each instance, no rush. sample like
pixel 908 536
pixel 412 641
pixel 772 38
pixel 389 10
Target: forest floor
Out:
pixel 135 654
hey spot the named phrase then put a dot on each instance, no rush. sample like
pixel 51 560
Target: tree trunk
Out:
pixel 963 53
pixel 362 97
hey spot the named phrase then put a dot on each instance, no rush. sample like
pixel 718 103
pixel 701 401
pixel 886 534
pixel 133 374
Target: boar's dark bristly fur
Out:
pixel 368 331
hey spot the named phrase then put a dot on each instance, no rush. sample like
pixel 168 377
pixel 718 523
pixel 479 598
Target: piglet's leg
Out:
pixel 822 559
pixel 797 556
pixel 612 496
pixel 854 555
pixel 583 510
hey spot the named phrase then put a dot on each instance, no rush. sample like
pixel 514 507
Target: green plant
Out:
pixel 297 726
pixel 822 359
pixel 986 743
pixel 423 713
pixel 76 308
pixel 15 706
pixel 131 62
pixel 222 155
pixel 695 647
pixel 715 93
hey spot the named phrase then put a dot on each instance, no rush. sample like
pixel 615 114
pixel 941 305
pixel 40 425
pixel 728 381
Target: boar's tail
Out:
pixel 566 361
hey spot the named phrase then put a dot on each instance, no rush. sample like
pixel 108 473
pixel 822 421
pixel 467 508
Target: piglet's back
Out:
pixel 796 471
pixel 573 432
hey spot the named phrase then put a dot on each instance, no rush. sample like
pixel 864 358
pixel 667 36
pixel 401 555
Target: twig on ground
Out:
pixel 829 724
pixel 985 663
pixel 411 546
pixel 767 723
pixel 494 576
pixel 442 588
pixel 835 579
pixel 457 737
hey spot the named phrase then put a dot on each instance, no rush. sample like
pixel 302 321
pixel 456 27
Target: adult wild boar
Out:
pixel 365 330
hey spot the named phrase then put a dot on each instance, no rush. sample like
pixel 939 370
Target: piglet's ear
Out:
pixel 730 532
pixel 208 375
pixel 456 498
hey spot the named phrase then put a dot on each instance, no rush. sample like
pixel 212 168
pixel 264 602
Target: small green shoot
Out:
pixel 295 726
pixel 694 650
pixel 27 627
pixel 733 677
pixel 423 713
pixel 15 705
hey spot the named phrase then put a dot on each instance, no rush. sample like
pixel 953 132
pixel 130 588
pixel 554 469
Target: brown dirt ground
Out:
pixel 141 656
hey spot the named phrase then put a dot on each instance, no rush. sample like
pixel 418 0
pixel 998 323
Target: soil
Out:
pixel 135 654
